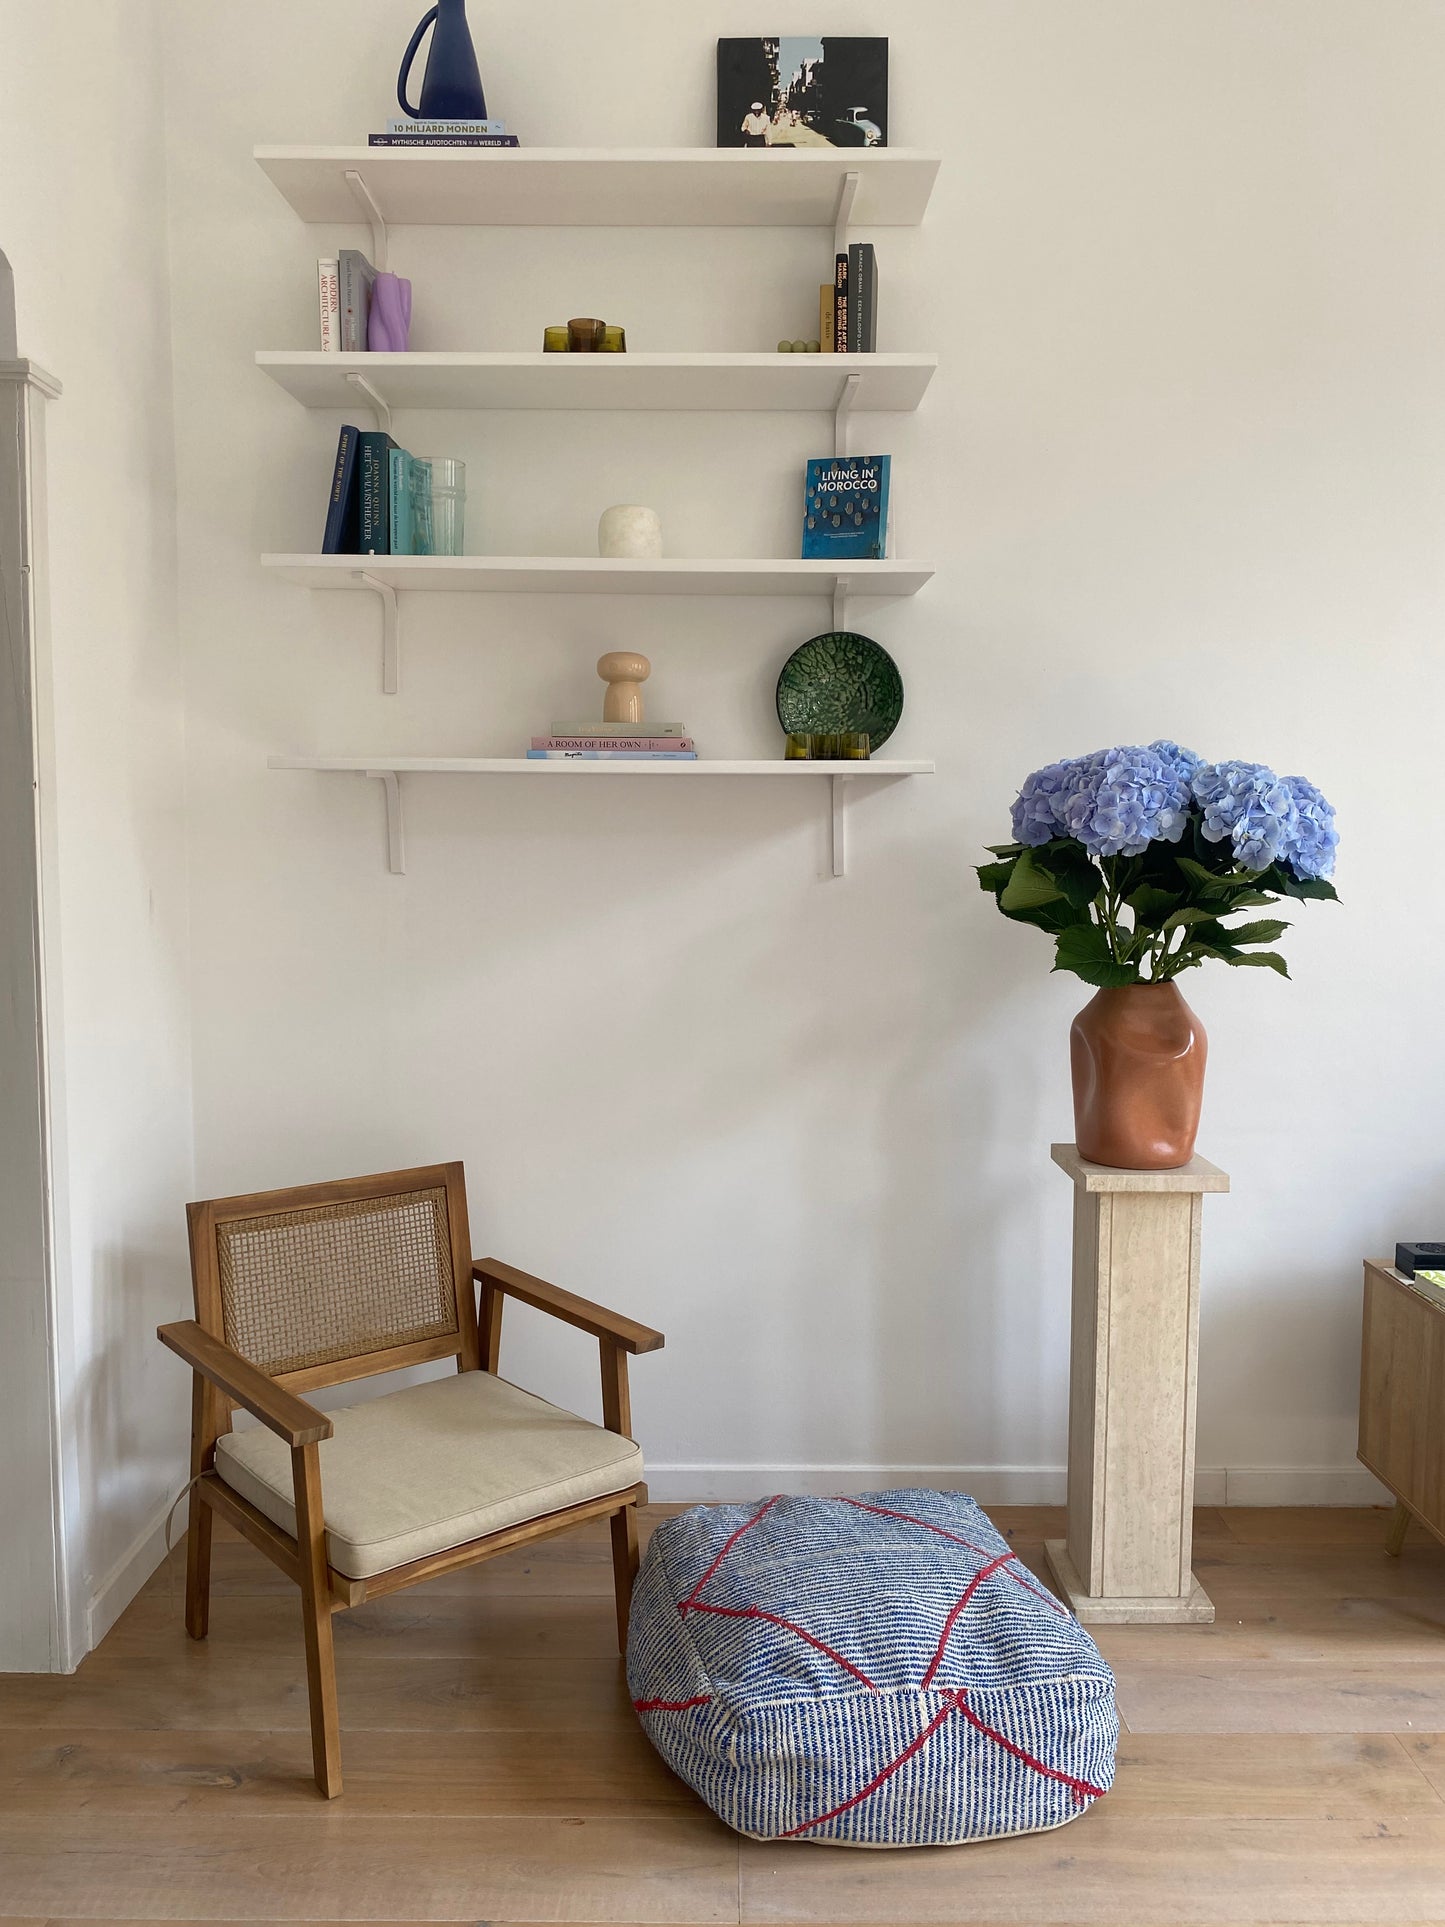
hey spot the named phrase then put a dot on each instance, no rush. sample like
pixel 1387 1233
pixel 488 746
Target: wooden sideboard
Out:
pixel 1402 1395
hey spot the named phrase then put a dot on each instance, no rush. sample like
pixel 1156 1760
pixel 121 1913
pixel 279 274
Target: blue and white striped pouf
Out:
pixel 877 1672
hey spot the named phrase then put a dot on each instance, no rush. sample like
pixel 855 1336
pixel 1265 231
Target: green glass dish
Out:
pixel 841 683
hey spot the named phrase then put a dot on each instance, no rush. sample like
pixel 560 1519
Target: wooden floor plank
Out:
pixel 1312 1525
pixel 420 1622
pixel 1327 1569
pixel 1271 1776
pixel 1114 1865
pixel 387 1692
pixel 679 1866
pixel 579 1774
pixel 1343 1630
pixel 1273 1696
pixel 1427 1750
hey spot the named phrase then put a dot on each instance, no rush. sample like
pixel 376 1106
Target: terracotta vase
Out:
pixel 1138 1058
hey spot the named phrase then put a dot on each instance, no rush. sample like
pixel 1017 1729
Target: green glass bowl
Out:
pixel 840 682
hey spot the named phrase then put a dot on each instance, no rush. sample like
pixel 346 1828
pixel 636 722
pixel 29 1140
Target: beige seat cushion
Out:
pixel 434 1466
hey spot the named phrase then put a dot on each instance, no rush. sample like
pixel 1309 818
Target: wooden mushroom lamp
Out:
pixel 624 674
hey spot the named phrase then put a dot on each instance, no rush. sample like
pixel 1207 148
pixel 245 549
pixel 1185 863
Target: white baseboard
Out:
pixel 126 1577
pixel 1301 1485
pixel 1338 1485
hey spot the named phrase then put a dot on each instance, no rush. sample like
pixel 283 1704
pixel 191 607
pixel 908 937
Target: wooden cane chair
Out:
pixel 327 1283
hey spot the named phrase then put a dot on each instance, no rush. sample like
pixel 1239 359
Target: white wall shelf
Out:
pixel 602 187
pixel 389 770
pixel 385 575
pixel 886 383
pixel 595 575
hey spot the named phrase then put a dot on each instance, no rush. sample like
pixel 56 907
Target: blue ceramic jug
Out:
pixel 451 87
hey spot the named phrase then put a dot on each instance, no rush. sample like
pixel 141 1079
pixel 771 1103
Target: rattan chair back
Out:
pixel 321 1283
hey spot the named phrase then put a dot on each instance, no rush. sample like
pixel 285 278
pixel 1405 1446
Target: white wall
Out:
pixel 82 221
pixel 1180 474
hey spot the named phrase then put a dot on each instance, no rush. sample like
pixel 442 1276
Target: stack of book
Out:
pixel 444 133
pixel 343 285
pixel 614 743
pixel 380 499
pixel 848 308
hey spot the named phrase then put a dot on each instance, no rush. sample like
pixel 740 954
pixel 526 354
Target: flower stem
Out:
pixel 1111 909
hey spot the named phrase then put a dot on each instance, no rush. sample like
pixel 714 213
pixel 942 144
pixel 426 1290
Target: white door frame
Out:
pixel 36 1634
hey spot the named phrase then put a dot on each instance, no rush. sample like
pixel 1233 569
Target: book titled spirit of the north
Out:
pixel 846 508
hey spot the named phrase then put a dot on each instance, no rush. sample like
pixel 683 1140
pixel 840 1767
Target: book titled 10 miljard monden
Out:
pixel 845 515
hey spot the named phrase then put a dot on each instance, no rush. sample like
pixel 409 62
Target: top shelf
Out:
pixel 605 186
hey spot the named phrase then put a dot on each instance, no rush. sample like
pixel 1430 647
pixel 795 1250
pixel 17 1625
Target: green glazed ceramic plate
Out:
pixel 841 681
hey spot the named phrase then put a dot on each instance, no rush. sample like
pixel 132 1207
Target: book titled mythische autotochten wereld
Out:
pixel 845 512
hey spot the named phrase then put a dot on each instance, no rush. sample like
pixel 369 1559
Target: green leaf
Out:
pixel 1053 917
pixel 1253 900
pixel 1268 959
pixel 1197 952
pixel 1084 949
pixel 1266 930
pixel 1182 919
pixel 1310 887
pixel 1028 887
pixel 1072 868
pixel 1206 885
pixel 993 876
pixel 1151 905
pixel 1212 885
pixel 1004 849
pixel 1207 930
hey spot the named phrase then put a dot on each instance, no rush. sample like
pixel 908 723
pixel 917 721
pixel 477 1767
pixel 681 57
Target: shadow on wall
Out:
pixel 8 350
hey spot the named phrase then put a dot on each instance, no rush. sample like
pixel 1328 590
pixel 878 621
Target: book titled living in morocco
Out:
pixel 845 511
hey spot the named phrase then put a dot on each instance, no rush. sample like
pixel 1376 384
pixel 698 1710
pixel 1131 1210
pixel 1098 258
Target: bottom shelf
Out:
pixel 389 770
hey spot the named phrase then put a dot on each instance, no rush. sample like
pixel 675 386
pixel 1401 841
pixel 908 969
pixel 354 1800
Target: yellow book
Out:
pixel 825 318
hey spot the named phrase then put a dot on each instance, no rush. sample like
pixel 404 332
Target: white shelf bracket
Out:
pixel 377 402
pixel 838 786
pixel 843 213
pixel 843 414
pixel 395 847
pixel 375 219
pixel 840 602
pixel 390 630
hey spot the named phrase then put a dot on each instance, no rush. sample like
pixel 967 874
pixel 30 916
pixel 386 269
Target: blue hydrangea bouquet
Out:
pixel 1134 859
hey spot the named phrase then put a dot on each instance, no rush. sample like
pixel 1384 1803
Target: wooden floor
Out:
pixel 1285 1764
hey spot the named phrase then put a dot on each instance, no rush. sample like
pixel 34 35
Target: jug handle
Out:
pixel 408 57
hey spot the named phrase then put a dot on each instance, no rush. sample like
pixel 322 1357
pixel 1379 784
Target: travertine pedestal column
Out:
pixel 1131 1393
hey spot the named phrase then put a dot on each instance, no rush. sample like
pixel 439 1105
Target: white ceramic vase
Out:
pixel 629 531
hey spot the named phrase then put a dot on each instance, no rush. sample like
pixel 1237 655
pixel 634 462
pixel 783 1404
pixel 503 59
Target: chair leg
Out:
pixel 206 1421
pixel 624 1566
pixel 1399 1525
pixel 321 1689
pixel 198 1567
pixel 316 1621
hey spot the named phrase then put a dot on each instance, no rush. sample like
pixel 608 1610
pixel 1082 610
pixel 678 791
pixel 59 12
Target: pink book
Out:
pixel 656 744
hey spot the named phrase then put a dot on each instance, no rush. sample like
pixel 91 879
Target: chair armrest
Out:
pixel 291 1418
pixel 565 1305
